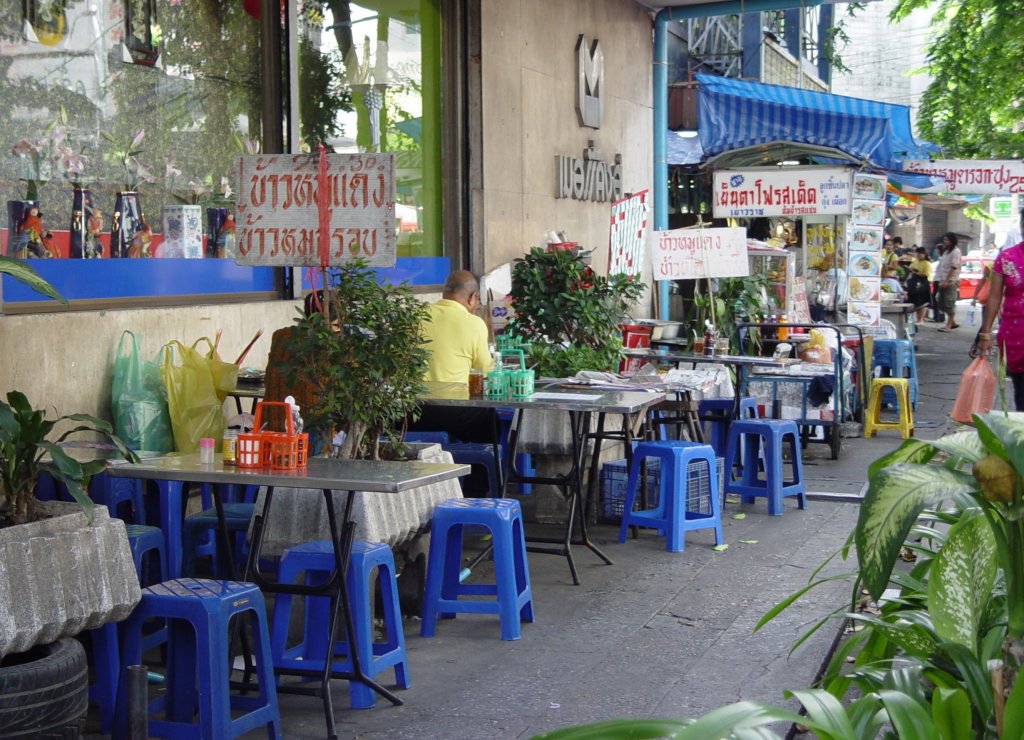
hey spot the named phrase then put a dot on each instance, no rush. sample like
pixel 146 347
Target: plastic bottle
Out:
pixel 709 340
pixel 296 417
pixel 206 451
pixel 783 332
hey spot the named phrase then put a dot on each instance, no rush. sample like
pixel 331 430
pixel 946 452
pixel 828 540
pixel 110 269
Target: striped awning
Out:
pixel 736 114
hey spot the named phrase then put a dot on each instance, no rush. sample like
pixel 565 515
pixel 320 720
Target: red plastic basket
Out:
pixel 281 450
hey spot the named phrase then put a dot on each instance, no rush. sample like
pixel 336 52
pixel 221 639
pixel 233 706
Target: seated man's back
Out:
pixel 456 338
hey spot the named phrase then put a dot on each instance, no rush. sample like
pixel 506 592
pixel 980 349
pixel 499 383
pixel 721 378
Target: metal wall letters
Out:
pixel 590 82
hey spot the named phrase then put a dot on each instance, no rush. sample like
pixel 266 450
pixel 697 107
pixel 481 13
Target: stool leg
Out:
pixel 393 619
pixel 798 468
pixel 436 557
pixel 181 670
pixel 361 695
pixel 522 573
pixel 774 480
pixel 750 444
pixel 675 510
pixel 505 584
pixel 106 665
pixel 630 501
pixel 214 697
pixel 716 501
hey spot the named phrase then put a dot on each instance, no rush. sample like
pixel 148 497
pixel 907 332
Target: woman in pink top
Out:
pixel 1006 299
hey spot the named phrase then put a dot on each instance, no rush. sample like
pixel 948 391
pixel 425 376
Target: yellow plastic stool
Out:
pixel 905 425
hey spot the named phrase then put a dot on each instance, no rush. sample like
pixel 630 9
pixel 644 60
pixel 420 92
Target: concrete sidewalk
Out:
pixel 655 634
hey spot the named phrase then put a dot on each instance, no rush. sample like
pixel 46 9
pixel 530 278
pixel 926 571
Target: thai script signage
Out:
pixel 590 178
pixel 972 176
pixel 789 191
pixel 589 82
pixel 629 221
pixel 278 210
pixel 686 254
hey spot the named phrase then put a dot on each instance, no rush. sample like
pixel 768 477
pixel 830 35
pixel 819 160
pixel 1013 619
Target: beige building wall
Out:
pixel 529 71
pixel 64 361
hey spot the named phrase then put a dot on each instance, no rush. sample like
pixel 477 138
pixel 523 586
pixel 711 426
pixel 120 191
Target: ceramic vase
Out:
pixel 220 232
pixel 183 232
pixel 17 241
pixel 129 234
pixel 86 224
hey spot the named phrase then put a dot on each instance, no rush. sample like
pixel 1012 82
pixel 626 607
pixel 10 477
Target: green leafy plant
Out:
pixel 734 300
pixel 567 312
pixel 126 155
pixel 26 451
pixel 366 359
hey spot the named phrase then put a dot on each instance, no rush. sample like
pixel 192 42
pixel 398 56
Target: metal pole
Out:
pixel 138 702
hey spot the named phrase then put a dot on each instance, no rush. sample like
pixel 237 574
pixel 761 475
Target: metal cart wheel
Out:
pixel 835 442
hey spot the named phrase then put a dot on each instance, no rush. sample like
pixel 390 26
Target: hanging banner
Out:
pixel 688 254
pixel 972 176
pixel 278 220
pixel 626 242
pixel 789 191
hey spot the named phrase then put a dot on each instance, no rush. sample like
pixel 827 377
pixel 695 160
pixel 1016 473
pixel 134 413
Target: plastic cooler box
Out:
pixel 615 478
pixel 634 336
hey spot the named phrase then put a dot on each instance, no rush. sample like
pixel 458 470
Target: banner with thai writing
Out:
pixel 686 254
pixel 629 222
pixel 789 191
pixel 971 176
pixel 278 216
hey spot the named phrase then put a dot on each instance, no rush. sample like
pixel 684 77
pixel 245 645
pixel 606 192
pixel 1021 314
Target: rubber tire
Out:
pixel 46 696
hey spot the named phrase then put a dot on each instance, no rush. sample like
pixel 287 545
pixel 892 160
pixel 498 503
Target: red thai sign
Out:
pixel 278 200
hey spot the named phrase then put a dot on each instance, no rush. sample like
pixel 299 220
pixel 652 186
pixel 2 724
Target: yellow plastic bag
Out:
pixel 196 386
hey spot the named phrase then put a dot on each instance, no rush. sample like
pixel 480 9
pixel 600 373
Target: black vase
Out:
pixel 215 218
pixel 17 242
pixel 84 242
pixel 129 236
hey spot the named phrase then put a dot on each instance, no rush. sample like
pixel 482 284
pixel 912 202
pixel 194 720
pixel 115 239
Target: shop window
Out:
pixel 156 97
pixel 370 81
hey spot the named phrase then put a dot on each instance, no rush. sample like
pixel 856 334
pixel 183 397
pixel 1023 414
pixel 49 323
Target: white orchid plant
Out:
pixel 52 152
pixel 127 155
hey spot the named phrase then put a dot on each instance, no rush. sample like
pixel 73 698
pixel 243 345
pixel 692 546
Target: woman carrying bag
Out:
pixel 1006 299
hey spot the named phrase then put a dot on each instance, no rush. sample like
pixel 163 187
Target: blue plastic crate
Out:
pixel 615 478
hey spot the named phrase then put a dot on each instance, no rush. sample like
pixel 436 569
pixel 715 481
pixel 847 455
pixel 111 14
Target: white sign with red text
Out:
pixel 789 191
pixel 278 215
pixel 628 224
pixel 687 254
pixel 971 176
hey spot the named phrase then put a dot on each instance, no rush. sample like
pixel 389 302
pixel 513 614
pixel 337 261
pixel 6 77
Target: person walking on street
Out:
pixel 947 274
pixel 1006 299
pixel 919 282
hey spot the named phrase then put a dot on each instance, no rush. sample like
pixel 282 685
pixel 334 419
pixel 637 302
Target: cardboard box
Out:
pixel 499 312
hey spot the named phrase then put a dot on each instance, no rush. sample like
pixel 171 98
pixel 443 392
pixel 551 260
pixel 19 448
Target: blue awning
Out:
pixel 736 114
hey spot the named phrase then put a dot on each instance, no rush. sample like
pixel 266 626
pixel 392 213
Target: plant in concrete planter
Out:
pixel 366 359
pixel 64 569
pixel 567 312
pixel 26 451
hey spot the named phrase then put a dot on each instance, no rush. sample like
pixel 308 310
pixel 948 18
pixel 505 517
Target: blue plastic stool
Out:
pixel 198 673
pixel 679 509
pixel 524 460
pixel 104 643
pixel 745 435
pixel 165 506
pixel 513 597
pixel 317 558
pixel 104 490
pixel 895 358
pixel 718 412
pixel 199 535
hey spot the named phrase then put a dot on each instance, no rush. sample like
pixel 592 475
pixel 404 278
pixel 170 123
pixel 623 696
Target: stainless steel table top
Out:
pixel 736 360
pixel 349 475
pixel 582 399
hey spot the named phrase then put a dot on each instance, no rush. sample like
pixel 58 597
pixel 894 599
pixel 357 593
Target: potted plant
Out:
pixel 568 313
pixel 67 567
pixel 367 360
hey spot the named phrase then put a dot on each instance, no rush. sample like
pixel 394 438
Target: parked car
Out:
pixel 972 271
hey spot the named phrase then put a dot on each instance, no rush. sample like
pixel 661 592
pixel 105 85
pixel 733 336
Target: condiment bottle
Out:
pixel 709 340
pixel 783 332
pixel 206 451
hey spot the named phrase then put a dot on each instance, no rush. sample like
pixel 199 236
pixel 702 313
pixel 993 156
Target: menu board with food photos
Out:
pixel 866 234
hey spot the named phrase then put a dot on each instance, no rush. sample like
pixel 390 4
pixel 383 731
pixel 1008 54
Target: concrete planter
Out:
pixel 62 575
pixel 300 514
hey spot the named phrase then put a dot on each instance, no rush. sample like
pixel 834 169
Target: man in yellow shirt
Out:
pixel 456 336
pixel 457 340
